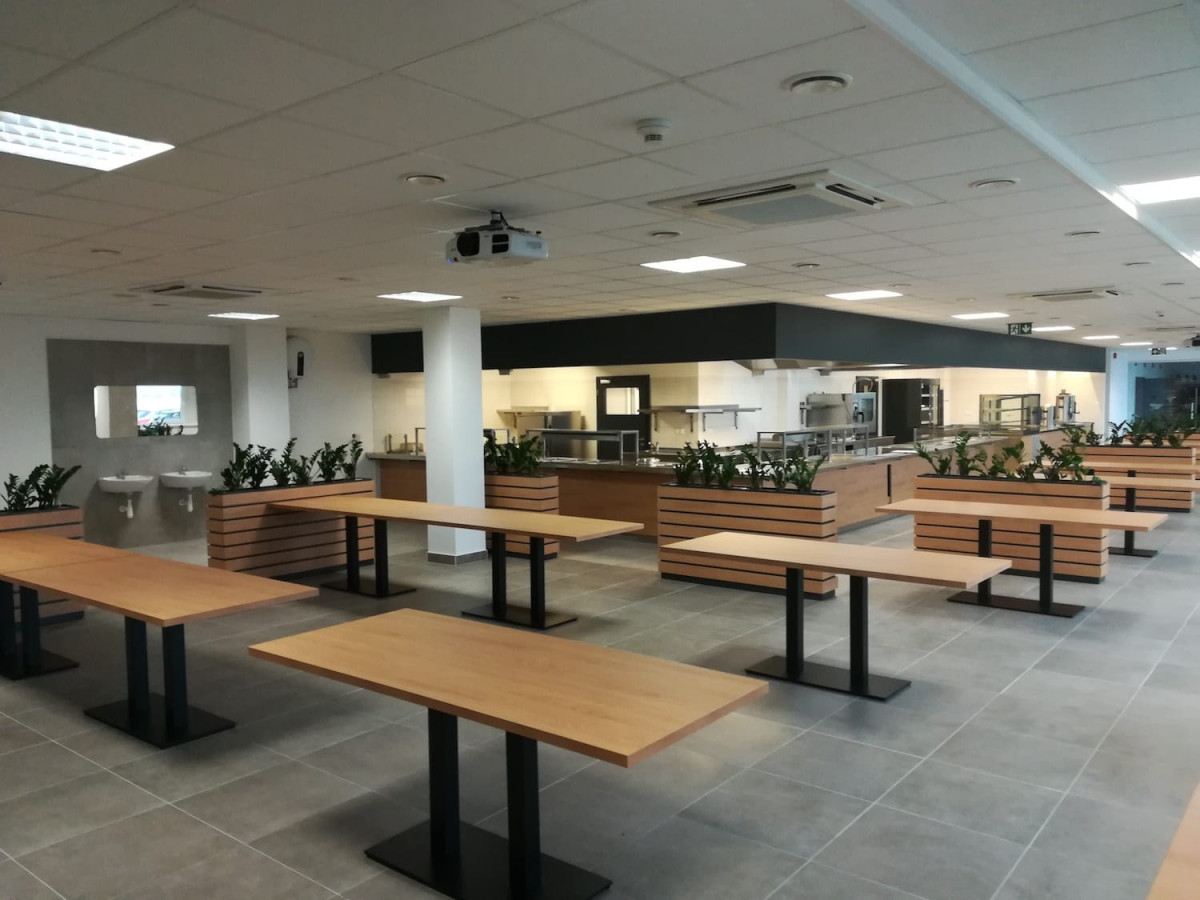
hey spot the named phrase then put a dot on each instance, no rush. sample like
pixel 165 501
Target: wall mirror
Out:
pixel 145 410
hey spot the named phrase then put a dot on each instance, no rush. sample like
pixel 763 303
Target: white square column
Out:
pixel 453 426
pixel 258 381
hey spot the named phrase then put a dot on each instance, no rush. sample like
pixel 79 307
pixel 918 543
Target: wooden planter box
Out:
pixel 533 493
pixel 246 535
pixel 687 512
pixel 62 521
pixel 1080 553
pixel 1165 501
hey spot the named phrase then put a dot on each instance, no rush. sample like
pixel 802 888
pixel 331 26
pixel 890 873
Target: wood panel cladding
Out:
pixel 688 512
pixel 1080 553
pixel 66 521
pixel 401 479
pixel 533 493
pixel 246 535
pixel 1171 501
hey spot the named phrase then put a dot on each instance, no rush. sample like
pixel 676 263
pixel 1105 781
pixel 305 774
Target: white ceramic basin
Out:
pixel 190 479
pixel 127 484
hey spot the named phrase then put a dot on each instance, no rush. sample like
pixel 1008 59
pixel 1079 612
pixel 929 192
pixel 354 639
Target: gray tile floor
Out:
pixel 1032 757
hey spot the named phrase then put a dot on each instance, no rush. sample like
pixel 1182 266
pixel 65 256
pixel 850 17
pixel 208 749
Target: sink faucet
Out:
pixel 183 468
pixel 122 473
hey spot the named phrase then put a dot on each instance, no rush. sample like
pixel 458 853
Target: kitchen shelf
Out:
pixel 704 412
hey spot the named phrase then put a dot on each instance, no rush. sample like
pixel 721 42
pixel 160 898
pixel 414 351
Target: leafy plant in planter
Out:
pixel 1180 430
pixel 965 461
pixel 1006 462
pixel 776 470
pixel 754 466
pixel 158 428
pixel 329 461
pixel 686 465
pixel 258 464
pixel 233 476
pixel 353 455
pixel 302 470
pixel 709 459
pixel 802 472
pixel 1117 432
pixel 49 484
pixel 939 460
pixel 1139 431
pixel 1078 436
pixel 18 494
pixel 1064 464
pixel 525 455
pixel 281 468
pixel 727 471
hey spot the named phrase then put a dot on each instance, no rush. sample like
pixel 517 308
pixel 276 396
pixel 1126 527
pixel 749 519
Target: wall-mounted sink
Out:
pixel 190 478
pixel 124 484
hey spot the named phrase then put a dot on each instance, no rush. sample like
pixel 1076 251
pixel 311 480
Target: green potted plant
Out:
pixel 513 479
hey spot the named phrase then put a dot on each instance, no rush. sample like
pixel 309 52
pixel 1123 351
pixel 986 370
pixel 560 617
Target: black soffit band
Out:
pixel 758 331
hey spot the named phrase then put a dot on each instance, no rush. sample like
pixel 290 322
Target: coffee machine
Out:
pixel 1064 408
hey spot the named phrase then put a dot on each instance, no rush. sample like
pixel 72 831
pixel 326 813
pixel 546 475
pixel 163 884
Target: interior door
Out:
pixel 618 401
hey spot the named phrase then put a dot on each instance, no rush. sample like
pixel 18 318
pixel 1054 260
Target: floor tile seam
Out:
pixel 1083 768
pixel 830 790
pixel 37 878
pixel 1007 778
pixel 880 884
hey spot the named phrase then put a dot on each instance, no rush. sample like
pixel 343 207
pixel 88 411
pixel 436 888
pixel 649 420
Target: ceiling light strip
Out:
pixel 72 144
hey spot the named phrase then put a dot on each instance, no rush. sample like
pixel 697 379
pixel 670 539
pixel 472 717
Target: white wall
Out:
pixel 334 398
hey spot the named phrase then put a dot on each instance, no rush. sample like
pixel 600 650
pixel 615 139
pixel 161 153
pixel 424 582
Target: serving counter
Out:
pixel 625 491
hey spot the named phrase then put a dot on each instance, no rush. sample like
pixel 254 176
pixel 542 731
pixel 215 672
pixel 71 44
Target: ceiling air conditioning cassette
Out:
pixel 1100 293
pixel 781 201
pixel 194 291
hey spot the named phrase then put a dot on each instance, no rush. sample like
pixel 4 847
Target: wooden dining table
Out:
pixel 1132 483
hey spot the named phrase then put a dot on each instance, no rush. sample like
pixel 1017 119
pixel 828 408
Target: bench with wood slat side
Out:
pixel 246 534
pixel 1080 552
pixel 1145 460
pixel 532 493
pixel 690 512
pixel 1179 876
pixel 66 522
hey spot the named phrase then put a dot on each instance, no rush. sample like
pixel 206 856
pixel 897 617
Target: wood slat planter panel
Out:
pixel 685 512
pixel 65 522
pixel 246 535
pixel 538 493
pixel 1079 553
pixel 1174 501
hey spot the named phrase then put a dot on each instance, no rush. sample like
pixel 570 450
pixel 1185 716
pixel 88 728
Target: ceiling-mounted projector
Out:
pixel 497 242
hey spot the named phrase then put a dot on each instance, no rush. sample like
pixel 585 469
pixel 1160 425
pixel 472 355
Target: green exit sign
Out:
pixel 1020 328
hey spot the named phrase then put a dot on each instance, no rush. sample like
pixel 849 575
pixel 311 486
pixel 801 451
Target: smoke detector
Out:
pixel 653 131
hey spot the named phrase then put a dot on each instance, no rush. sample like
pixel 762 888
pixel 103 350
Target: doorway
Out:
pixel 619 401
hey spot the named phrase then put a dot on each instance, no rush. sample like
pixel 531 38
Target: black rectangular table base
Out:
pixel 830 678
pixel 366 587
pixel 482 872
pixel 1136 551
pixel 1018 604
pixel 152 728
pixel 518 615
pixel 15 669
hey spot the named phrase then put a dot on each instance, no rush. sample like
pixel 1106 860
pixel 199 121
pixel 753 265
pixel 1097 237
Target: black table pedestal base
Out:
pixel 366 587
pixel 152 727
pixel 518 615
pixel 1136 551
pixel 830 678
pixel 1018 604
pixel 15 668
pixel 483 870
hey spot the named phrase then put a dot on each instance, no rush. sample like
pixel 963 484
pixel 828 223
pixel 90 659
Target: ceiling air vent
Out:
pixel 1100 293
pixel 199 291
pixel 782 201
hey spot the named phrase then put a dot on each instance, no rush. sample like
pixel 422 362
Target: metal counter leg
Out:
pixel 380 586
pixel 1128 546
pixel 26 658
pixel 532 616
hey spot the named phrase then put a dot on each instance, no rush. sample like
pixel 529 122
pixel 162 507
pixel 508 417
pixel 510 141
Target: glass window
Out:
pixel 621 401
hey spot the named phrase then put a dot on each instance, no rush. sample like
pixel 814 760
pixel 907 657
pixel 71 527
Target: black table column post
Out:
pixel 537 582
pixel 175 681
pixel 524 826
pixel 858 634
pixel 31 630
pixel 499 575
pixel 1046 570
pixel 794 623
pixel 8 624
pixel 445 833
pixel 382 577
pixel 983 593
pixel 137 672
pixel 352 573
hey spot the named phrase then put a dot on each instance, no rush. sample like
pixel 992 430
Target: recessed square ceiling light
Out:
pixel 1102 337
pixel 1054 328
pixel 694 264
pixel 419 296
pixel 864 295
pixel 1138 344
pixel 1163 191
pixel 249 317
pixel 987 315
pixel 72 144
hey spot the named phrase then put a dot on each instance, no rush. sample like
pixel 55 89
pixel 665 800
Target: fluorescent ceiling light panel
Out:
pixel 72 144
pixel 1054 328
pixel 1138 344
pixel 419 296
pixel 970 317
pixel 885 365
pixel 864 295
pixel 249 317
pixel 694 264
pixel 1102 337
pixel 1163 191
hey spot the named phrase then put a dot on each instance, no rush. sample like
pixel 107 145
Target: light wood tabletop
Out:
pixel 609 704
pixel 30 550
pixel 920 566
pixel 1153 484
pixel 160 591
pixel 1180 871
pixel 1155 468
pixel 508 521
pixel 1046 515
